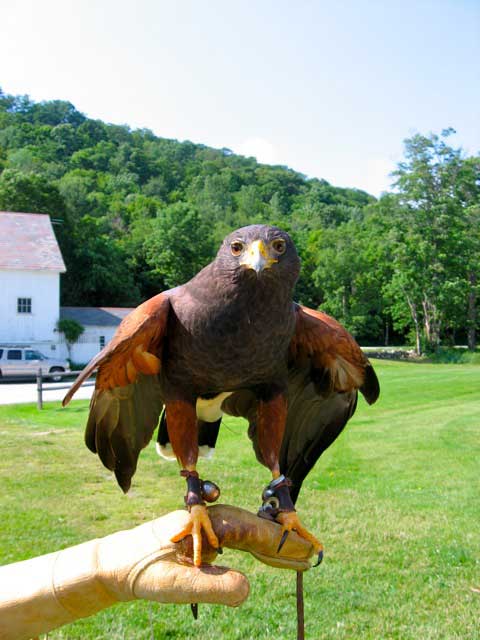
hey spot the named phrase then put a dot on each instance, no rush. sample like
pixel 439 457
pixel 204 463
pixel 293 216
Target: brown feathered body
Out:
pixel 226 333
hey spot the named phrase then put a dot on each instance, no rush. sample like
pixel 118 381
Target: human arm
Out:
pixel 43 593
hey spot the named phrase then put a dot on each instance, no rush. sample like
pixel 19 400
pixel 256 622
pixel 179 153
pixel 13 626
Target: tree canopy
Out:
pixel 135 213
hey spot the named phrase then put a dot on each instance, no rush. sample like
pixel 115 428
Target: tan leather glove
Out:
pixel 43 593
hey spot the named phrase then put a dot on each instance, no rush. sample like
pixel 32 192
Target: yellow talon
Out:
pixel 291 522
pixel 199 519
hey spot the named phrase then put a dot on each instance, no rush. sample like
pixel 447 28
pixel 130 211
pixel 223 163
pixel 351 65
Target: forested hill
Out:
pixel 135 214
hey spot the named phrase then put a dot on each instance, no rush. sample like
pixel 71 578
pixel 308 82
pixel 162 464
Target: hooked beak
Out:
pixel 256 257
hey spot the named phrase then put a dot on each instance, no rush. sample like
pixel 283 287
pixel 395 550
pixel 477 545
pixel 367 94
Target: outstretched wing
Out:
pixel 326 368
pixel 127 401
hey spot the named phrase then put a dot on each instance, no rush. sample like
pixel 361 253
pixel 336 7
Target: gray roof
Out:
pixel 27 242
pixel 95 316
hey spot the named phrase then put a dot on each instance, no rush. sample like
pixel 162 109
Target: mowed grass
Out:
pixel 395 501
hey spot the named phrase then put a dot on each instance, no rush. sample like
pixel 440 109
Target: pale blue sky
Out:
pixel 328 88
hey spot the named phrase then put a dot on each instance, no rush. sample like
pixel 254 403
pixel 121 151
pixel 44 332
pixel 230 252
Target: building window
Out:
pixel 102 341
pixel 24 305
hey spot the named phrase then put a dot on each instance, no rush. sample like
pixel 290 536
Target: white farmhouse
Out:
pixel 30 268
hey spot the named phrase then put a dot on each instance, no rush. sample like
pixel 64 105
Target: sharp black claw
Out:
pixel 319 559
pixel 194 608
pixel 282 540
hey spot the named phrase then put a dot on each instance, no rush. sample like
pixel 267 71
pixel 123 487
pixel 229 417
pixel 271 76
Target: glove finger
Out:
pixel 183 584
pixel 240 529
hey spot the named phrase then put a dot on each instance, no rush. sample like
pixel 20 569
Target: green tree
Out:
pixel 72 330
pixel 179 244
pixel 29 192
pixel 97 158
pixel 75 187
pixel 426 234
pixel 251 209
pixel 349 277
pixel 468 192
pixel 54 112
pixel 97 266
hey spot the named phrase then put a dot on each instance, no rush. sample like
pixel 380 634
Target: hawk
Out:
pixel 231 340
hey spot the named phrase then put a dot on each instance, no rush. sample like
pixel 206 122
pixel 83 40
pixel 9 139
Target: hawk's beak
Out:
pixel 257 257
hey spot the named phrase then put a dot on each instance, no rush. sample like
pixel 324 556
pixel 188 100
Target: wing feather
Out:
pixel 121 423
pixel 333 357
pixel 314 421
pixel 134 349
pixel 127 400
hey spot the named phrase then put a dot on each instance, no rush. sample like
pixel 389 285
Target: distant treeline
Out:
pixel 136 214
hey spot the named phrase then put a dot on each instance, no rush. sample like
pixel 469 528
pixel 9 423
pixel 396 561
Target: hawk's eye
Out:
pixel 236 248
pixel 279 246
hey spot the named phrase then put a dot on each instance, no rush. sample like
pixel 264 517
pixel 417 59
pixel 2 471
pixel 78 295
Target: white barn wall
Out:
pixel 43 287
pixel 88 345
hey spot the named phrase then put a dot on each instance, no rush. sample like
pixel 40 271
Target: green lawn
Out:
pixel 395 501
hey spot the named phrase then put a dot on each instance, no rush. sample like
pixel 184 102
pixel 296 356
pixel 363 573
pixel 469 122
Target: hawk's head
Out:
pixel 260 251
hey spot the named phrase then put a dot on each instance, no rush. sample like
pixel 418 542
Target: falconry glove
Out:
pixel 43 593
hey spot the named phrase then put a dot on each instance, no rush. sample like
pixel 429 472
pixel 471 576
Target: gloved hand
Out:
pixel 144 563
pixel 43 593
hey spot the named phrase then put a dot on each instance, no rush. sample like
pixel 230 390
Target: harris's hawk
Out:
pixel 231 340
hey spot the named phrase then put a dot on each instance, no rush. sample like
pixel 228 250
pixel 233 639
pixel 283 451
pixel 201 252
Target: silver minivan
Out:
pixel 26 361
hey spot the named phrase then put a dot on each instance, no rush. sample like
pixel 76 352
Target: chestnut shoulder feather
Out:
pixel 335 359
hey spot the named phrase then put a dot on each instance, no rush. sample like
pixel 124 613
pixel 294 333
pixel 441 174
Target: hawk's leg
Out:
pixel 183 433
pixel 277 503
